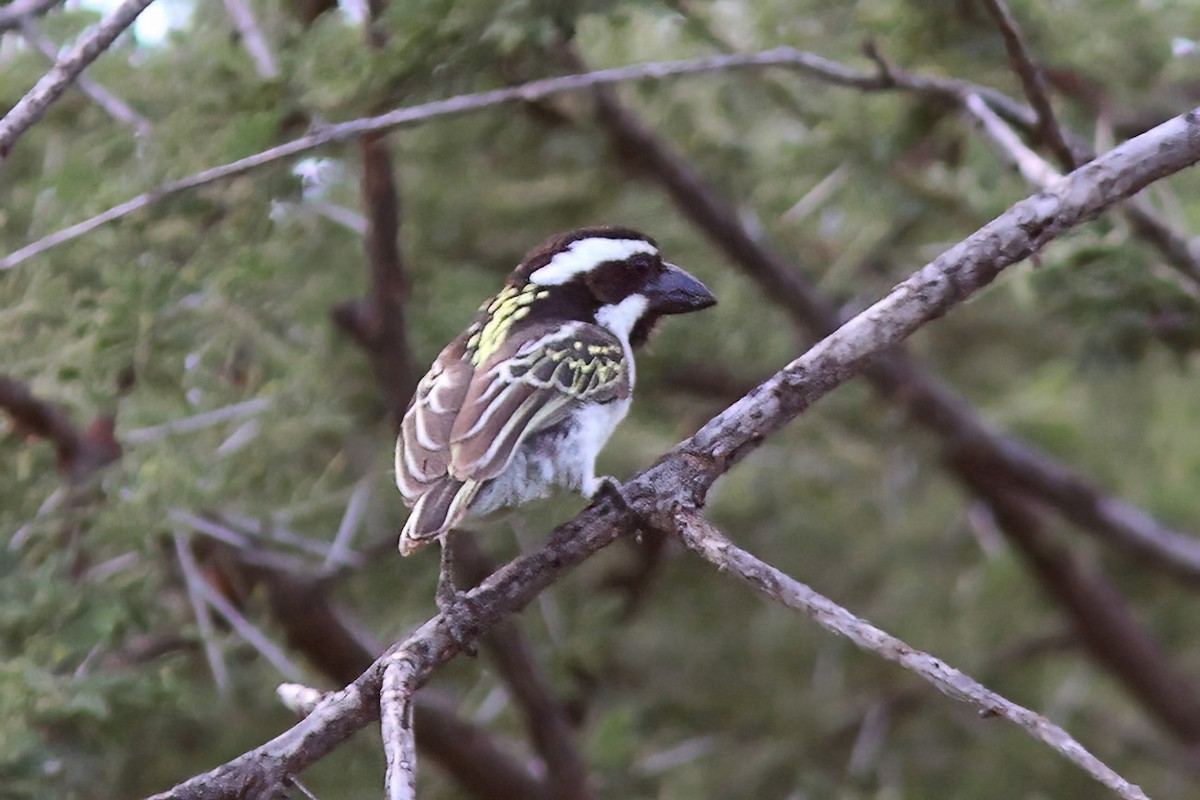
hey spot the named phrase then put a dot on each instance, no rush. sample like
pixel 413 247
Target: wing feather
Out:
pixel 423 447
pixel 465 423
pixel 529 388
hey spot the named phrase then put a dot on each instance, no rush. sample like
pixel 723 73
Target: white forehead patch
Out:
pixel 583 254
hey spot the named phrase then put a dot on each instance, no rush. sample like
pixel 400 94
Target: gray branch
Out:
pixel 18 11
pixel 114 106
pixel 396 724
pixel 679 483
pixel 30 108
pixel 710 544
pixel 252 38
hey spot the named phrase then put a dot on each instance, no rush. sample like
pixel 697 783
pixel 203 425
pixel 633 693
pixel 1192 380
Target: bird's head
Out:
pixel 613 277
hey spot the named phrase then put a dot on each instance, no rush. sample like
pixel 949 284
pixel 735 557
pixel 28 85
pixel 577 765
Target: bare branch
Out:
pixel 806 63
pixel 315 626
pixel 252 37
pixel 896 376
pixel 18 11
pixel 710 544
pixel 1146 224
pixel 681 479
pixel 1033 168
pixel 1033 82
pixel 114 106
pixel 199 421
pixel 193 579
pixel 396 722
pixel 29 109
pixel 377 321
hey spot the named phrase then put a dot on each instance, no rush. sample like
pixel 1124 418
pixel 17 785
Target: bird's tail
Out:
pixel 439 509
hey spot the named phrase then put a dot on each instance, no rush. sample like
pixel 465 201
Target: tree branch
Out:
pixel 896 376
pixel 18 11
pixel 252 38
pixel 30 108
pixel 377 321
pixel 710 544
pixel 114 106
pixel 681 479
pixel 396 723
pixel 805 63
pixel 1033 82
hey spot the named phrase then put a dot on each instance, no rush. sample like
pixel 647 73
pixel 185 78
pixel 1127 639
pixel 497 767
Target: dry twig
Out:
pixel 710 544
pixel 30 108
pixel 18 11
pixel 1033 82
pixel 114 106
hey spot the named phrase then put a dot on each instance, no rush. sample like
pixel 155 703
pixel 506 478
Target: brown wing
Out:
pixel 530 386
pixel 464 424
pixel 423 447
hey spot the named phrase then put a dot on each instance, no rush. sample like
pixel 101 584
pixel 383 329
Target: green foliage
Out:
pixel 222 296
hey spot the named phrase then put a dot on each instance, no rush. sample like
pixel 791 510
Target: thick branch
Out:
pixel 682 478
pixel 396 724
pixel 30 108
pixel 933 405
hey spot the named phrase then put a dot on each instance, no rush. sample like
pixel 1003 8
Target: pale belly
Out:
pixel 562 457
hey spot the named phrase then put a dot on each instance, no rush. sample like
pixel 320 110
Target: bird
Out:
pixel 521 402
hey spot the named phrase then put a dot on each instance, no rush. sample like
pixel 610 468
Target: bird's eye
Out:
pixel 642 263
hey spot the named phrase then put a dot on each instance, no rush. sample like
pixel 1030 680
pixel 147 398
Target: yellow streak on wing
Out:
pixel 505 309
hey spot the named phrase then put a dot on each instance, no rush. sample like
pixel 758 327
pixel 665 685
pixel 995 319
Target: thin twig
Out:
pixel 18 11
pixel 193 580
pixel 1033 168
pixel 683 477
pixel 396 723
pixel 252 38
pixel 114 106
pixel 710 544
pixel 246 629
pixel 30 108
pixel 806 63
pixel 1034 84
pixel 199 421
pixel 339 550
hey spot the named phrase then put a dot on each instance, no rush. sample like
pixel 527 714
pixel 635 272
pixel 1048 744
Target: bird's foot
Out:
pixel 609 487
pixel 452 601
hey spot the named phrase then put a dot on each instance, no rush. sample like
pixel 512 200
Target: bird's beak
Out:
pixel 676 292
